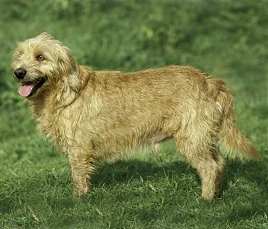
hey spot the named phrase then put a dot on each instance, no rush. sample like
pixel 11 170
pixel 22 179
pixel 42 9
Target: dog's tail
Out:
pixel 231 142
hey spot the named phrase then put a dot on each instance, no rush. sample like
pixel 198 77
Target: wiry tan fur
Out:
pixel 96 115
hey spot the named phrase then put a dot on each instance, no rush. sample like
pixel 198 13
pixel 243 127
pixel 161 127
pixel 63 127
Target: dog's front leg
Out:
pixel 82 167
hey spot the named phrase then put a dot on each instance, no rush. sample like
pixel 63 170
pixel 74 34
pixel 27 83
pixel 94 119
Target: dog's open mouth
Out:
pixel 29 88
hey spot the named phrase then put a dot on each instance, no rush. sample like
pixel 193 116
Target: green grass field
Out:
pixel 225 38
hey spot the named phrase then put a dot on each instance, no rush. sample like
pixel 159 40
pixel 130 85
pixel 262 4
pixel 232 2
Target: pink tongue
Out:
pixel 26 90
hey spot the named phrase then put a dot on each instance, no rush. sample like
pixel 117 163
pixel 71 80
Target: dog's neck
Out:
pixel 62 94
pixel 49 107
pixel 49 113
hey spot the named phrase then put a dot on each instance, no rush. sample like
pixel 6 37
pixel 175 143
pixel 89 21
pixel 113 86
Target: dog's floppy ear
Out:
pixel 72 75
pixel 68 69
pixel 68 72
pixel 66 61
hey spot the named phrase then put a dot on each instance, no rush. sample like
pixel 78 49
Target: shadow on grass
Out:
pixel 253 172
pixel 55 189
pixel 125 170
pixel 246 185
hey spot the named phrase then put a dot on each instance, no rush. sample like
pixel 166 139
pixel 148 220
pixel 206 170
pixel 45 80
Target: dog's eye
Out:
pixel 19 56
pixel 39 58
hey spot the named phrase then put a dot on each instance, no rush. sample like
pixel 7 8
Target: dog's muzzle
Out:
pixel 27 88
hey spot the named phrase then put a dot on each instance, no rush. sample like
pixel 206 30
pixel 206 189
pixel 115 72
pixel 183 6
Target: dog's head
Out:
pixel 40 63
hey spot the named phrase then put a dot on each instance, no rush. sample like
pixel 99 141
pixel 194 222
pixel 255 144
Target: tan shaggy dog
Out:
pixel 97 115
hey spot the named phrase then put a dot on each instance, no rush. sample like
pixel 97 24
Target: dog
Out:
pixel 98 115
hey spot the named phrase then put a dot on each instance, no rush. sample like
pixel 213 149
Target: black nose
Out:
pixel 20 73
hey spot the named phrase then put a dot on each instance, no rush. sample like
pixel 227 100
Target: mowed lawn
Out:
pixel 225 38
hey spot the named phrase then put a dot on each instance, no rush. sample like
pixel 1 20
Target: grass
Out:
pixel 225 38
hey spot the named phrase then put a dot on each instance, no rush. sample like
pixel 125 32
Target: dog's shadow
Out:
pixel 123 171
pixel 252 171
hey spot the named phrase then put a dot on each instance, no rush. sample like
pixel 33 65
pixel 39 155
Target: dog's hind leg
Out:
pixel 200 149
pixel 81 165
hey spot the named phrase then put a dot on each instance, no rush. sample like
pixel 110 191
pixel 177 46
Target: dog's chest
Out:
pixel 59 126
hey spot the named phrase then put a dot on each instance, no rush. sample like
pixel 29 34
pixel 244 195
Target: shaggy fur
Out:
pixel 97 115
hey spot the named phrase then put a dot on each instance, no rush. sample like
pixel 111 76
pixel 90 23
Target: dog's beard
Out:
pixel 29 88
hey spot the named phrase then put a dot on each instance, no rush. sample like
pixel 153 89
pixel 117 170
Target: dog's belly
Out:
pixel 159 138
pixel 110 141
